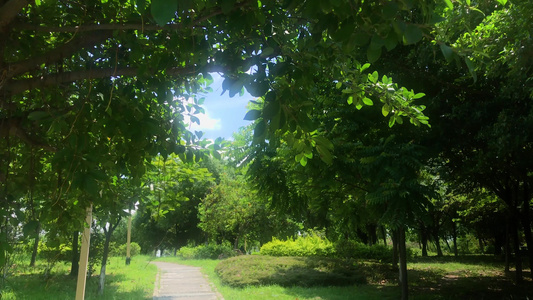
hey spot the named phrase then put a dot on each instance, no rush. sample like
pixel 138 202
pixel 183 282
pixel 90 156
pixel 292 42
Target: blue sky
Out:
pixel 223 115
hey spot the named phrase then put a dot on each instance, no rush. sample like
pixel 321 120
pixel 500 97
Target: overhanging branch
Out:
pixel 114 26
pixel 9 11
pixel 14 87
pixel 56 55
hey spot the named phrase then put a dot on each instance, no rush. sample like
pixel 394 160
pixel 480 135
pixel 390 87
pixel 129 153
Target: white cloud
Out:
pixel 206 122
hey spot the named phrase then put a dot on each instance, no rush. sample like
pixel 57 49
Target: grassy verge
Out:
pixel 135 281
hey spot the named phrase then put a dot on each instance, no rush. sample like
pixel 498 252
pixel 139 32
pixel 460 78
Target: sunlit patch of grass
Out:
pixel 135 281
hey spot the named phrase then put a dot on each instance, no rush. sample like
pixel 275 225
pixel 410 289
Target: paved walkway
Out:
pixel 179 282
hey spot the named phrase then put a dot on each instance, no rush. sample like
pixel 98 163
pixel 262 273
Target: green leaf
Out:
pixel 373 54
pixel 252 115
pixel 257 88
pixel 418 95
pixel 227 6
pixel 216 154
pixel 325 154
pixel 447 51
pixel 399 119
pixel 30 229
pixel 195 120
pixel 413 34
pixel 163 11
pixel 449 4
pixel 267 51
pixel 350 100
pixel 322 141
pixel 392 120
pixel 38 115
pixel 385 110
pixel 303 161
pixel 471 68
pixel 141 5
pixel 368 101
pixel 364 67
pixel 338 85
pixel 259 130
pixel 502 2
pixel 373 77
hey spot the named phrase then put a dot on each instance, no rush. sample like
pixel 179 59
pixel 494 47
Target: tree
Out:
pixel 168 216
pixel 480 96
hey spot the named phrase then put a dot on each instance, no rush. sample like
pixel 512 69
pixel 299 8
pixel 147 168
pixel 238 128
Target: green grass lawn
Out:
pixel 479 277
pixel 135 281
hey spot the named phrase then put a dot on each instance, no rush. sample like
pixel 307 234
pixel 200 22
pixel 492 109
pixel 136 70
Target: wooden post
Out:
pixel 128 257
pixel 84 255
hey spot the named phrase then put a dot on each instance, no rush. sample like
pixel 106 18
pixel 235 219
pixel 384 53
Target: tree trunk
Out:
pixel 75 263
pixel 526 224
pixel 372 234
pixel 403 264
pixel 105 254
pixel 424 242
pixel 437 242
pixel 35 245
pixel 455 251
pixel 507 247
pixel 395 254
pixel 384 234
pixel 516 246
pixel 236 243
pixel 108 234
pixel 448 245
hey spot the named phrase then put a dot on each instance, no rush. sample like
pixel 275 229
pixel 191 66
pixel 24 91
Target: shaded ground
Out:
pixel 475 277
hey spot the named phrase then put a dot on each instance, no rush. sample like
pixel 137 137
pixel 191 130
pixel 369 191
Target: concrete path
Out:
pixel 179 282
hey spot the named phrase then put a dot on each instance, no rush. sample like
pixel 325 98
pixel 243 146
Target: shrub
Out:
pixel 61 253
pixel 120 250
pixel 358 250
pixel 311 245
pixel 211 251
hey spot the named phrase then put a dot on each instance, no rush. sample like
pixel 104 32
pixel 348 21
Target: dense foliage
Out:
pixel 96 98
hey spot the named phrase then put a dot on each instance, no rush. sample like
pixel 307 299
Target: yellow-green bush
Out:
pixel 311 245
pixel 120 250
pixel 211 251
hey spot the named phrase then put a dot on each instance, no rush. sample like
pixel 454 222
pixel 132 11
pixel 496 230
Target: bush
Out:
pixel 211 251
pixel 358 250
pixel 120 250
pixel 61 253
pixel 311 245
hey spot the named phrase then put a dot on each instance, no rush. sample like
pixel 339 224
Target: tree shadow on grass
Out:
pixel 432 284
pixel 353 292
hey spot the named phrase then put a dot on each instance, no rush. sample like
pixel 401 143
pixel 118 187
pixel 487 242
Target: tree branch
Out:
pixel 113 26
pixel 56 55
pixel 97 27
pixel 18 86
pixel 9 11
